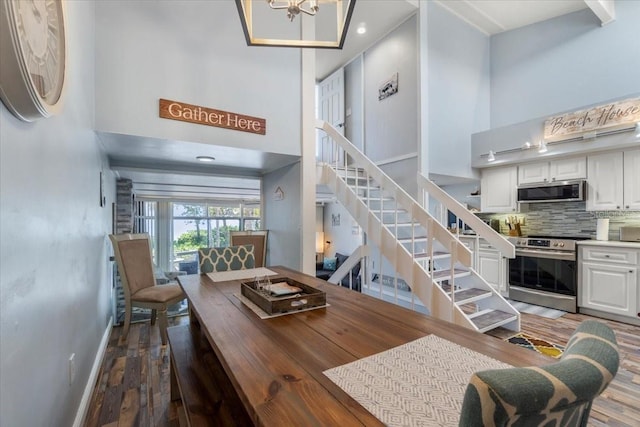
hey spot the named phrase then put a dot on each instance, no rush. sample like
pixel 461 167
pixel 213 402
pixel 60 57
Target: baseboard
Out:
pixel 95 370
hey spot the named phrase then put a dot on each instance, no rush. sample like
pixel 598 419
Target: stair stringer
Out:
pixel 437 301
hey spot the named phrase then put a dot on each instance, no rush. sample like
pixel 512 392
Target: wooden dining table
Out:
pixel 276 364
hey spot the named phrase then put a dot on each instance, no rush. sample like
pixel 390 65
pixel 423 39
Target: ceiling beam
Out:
pixel 605 10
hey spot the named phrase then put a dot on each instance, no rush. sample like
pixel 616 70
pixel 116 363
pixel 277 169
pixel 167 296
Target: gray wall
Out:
pixel 458 91
pixel 346 236
pixel 163 49
pixel 563 64
pixel 55 277
pixel 353 103
pixel 282 217
pixel 391 125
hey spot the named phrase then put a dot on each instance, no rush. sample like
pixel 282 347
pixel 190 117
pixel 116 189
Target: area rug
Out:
pixel 549 313
pixel 537 344
pixel 421 383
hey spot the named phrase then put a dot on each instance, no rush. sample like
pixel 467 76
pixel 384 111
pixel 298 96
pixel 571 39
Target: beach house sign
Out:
pixel 615 115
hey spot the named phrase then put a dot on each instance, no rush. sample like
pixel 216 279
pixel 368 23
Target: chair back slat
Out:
pixel 137 265
pixel 239 257
pixel 257 238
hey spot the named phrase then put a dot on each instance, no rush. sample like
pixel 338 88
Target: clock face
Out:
pixel 32 82
pixel 41 33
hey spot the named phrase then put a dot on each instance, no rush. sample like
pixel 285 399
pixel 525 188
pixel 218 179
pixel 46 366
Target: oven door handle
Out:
pixel 565 256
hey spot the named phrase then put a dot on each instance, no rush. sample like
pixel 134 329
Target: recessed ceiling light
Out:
pixel 361 29
pixel 205 158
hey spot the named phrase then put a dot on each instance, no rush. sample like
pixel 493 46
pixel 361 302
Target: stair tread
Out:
pixel 408 239
pixel 377 199
pixel 492 319
pixel 464 295
pixel 436 254
pixel 446 274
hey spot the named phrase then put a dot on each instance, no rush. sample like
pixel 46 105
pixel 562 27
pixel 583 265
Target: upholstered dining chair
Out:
pixel 227 258
pixel 135 264
pixel 554 395
pixel 257 238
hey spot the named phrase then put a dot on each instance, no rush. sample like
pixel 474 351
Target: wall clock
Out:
pixel 33 47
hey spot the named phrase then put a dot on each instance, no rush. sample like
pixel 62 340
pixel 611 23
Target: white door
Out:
pixel 331 110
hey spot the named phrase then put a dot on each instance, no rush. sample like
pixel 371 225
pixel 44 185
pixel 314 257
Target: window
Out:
pixel 178 229
pixel 145 221
pixel 251 217
pixel 197 225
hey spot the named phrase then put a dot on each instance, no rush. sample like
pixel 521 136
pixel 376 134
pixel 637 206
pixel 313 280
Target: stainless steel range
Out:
pixel 544 271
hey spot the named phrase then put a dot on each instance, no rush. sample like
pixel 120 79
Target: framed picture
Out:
pixel 388 88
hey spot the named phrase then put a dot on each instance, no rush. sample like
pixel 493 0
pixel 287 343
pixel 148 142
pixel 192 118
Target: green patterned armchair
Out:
pixel 559 394
pixel 239 257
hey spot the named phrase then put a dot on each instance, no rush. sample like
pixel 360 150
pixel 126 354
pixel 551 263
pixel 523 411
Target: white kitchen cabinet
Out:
pixel 498 189
pixel 608 280
pixel 614 181
pixel 555 170
pixel 492 268
pixel 632 179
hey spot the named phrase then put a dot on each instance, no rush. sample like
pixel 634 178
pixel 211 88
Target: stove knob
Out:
pixel 555 244
pixel 561 244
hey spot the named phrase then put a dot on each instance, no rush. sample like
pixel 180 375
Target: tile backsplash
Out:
pixel 565 219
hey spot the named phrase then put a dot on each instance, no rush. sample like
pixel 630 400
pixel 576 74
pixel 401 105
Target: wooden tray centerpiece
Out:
pixel 284 295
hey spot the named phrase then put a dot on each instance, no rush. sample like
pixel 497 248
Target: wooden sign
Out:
pixel 175 110
pixel 619 115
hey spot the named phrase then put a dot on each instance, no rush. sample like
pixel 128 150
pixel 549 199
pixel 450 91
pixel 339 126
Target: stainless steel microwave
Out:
pixel 559 191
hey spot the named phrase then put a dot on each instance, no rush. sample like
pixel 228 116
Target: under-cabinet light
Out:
pixel 542 147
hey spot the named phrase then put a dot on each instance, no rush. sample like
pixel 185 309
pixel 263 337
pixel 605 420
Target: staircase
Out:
pixel 432 261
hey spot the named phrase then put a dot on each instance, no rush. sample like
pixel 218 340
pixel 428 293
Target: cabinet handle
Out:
pixel 607 256
pixel 617 207
pixel 626 207
pixel 630 271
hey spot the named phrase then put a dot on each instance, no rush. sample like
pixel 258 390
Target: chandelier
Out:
pixel 293 7
pixel 263 26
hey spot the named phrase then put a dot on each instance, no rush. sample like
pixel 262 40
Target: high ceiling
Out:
pixel 488 16
pixel 380 17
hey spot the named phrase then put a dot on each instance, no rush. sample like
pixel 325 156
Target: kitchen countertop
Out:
pixel 612 243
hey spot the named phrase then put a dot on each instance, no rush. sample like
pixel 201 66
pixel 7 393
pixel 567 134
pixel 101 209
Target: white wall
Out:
pixel 353 102
pixel 564 64
pixel 391 125
pixel 458 91
pixel 282 217
pixel 340 235
pixel 165 49
pixel 55 286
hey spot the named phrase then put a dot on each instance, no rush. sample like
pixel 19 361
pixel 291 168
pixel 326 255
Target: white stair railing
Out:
pixel 482 230
pixel 353 178
pixel 405 262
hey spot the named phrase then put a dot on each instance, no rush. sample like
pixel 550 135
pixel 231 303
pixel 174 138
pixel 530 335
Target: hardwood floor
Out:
pixel 132 388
